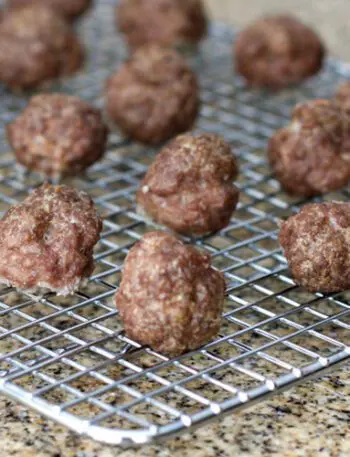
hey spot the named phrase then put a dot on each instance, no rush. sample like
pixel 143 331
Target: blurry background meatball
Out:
pixel 69 9
pixel 329 17
pixel 170 298
pixel 58 135
pixel 36 45
pixel 277 51
pixel 153 96
pixel 166 22
pixel 311 155
pixel 316 243
pixel 189 186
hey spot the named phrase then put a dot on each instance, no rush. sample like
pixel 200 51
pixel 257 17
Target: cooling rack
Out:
pixel 69 358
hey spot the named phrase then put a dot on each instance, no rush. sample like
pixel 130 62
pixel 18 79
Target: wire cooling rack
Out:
pixel 69 358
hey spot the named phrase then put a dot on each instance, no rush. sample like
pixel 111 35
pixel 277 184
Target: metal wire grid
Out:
pixel 69 358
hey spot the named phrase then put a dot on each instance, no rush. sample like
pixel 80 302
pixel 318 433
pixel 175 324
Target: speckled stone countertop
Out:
pixel 312 420
pixel 329 17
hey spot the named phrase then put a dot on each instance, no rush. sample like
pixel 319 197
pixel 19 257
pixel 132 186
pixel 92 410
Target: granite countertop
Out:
pixel 329 17
pixel 308 421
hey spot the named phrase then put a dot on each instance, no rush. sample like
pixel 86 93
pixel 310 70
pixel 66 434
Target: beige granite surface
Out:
pixel 330 17
pixel 312 420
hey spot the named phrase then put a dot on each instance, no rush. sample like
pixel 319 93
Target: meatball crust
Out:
pixel 166 22
pixel 154 95
pixel 36 46
pixel 278 51
pixel 316 243
pixel 58 135
pixel 342 96
pixel 189 185
pixel 170 298
pixel 311 156
pixel 47 240
pixel 69 9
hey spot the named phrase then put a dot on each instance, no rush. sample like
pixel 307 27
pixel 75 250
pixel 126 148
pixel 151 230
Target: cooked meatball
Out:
pixel 166 22
pixel 342 96
pixel 58 135
pixel 311 156
pixel 69 9
pixel 189 185
pixel 36 46
pixel 154 95
pixel 170 298
pixel 277 51
pixel 316 243
pixel 47 241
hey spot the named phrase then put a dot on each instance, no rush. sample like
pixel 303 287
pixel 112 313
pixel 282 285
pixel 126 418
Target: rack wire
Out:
pixel 69 358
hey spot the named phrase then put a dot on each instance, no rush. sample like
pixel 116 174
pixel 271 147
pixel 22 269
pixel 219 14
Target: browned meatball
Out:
pixel 316 243
pixel 36 45
pixel 277 51
pixel 170 297
pixel 154 95
pixel 47 241
pixel 58 135
pixel 69 9
pixel 312 155
pixel 342 96
pixel 189 185
pixel 166 22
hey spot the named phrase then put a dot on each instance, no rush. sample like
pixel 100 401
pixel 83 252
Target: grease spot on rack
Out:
pixel 243 397
pixel 215 408
pixel 270 385
pixel 186 420
pixel 323 361
pixel 297 372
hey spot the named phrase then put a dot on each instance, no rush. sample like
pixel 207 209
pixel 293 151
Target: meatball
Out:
pixel 154 96
pixel 69 9
pixel 342 96
pixel 316 242
pixel 170 298
pixel 166 22
pixel 47 241
pixel 311 156
pixel 189 185
pixel 277 51
pixel 58 135
pixel 36 46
